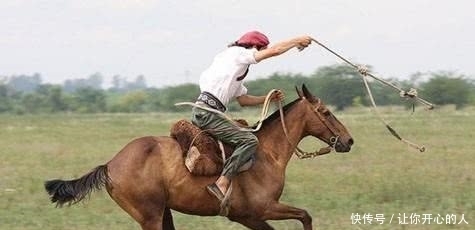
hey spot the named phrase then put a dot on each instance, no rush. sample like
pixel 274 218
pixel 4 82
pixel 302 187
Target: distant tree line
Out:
pixel 338 85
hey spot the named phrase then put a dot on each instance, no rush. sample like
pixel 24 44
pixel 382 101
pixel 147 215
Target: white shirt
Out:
pixel 220 79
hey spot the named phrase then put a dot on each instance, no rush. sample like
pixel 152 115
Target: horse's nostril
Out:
pixel 350 141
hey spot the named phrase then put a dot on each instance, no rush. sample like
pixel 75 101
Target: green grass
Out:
pixel 381 175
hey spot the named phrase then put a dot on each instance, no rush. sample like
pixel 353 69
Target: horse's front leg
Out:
pixel 252 223
pixel 278 211
pixel 168 220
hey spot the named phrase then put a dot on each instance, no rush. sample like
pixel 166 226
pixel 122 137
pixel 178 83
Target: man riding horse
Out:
pixel 149 177
pixel 221 82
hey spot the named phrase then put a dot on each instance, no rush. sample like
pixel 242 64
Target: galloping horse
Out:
pixel 148 177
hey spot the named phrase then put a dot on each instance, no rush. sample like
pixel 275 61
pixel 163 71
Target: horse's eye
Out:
pixel 324 111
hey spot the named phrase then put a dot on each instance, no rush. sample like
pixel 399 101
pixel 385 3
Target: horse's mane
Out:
pixel 276 114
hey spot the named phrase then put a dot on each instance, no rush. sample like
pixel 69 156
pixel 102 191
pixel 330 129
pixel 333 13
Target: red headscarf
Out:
pixel 254 38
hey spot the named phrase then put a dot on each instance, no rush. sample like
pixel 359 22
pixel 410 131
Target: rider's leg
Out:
pixel 246 147
pixel 227 131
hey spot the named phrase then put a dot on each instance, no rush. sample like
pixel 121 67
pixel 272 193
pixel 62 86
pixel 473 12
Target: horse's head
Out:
pixel 321 123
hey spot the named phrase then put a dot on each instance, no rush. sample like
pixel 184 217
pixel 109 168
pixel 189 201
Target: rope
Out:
pixel 264 111
pixel 391 130
pixel 412 93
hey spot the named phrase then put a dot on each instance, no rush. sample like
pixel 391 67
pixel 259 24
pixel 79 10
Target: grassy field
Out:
pixel 380 176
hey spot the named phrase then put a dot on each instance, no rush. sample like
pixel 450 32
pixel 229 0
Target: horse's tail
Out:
pixel 72 191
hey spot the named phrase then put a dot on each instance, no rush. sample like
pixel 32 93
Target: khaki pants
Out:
pixel 245 142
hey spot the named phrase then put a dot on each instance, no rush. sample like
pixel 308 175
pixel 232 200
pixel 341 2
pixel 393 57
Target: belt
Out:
pixel 211 101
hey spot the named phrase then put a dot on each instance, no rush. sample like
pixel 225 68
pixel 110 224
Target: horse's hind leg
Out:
pixel 154 219
pixel 151 218
pixel 150 213
pixel 253 223
pixel 163 223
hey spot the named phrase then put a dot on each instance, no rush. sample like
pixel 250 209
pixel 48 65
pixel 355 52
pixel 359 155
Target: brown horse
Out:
pixel 148 178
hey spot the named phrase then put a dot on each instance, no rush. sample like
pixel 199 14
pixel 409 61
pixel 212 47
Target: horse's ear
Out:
pixel 307 94
pixel 299 92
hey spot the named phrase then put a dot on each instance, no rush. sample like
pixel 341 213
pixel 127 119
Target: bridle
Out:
pixel 301 154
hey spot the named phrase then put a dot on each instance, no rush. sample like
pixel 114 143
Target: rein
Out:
pixel 301 154
pixel 411 94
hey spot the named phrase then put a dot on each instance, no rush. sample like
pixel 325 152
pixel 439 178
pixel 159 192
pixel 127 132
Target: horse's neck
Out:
pixel 275 143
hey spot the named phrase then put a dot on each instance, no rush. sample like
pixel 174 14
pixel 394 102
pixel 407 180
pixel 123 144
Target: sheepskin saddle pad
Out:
pixel 202 154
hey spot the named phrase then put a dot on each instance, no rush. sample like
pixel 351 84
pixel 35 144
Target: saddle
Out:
pixel 203 154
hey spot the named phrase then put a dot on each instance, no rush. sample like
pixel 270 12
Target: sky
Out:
pixel 171 42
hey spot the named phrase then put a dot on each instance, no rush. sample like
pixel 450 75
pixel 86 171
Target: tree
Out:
pixel 32 103
pixel 89 100
pixel 139 83
pixel 448 88
pixel 118 83
pixel 134 101
pixel 338 85
pixel 171 95
pixel 46 99
pixel 282 81
pixel 53 100
pixel 56 100
pixel 5 101
pixel 25 83
pixel 94 81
